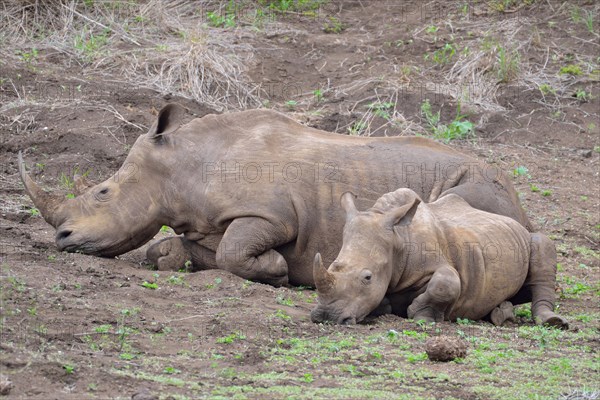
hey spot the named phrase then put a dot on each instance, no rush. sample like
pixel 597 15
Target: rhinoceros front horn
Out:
pixel 47 203
pixel 324 280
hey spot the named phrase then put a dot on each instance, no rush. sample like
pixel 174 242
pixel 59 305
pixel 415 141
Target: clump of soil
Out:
pixel 445 348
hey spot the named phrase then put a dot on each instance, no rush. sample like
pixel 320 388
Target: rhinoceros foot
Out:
pixel 504 312
pixel 168 254
pixel 424 312
pixel 272 269
pixel 384 308
pixel 550 318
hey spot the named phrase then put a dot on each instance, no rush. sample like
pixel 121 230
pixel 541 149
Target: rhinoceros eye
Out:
pixel 366 276
pixel 102 195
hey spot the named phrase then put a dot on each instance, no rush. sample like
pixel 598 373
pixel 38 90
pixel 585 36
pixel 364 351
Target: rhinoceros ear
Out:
pixel 81 184
pixel 403 215
pixel 169 119
pixel 347 202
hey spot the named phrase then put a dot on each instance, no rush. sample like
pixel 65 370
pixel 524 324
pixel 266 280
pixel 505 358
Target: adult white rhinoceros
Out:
pixel 255 192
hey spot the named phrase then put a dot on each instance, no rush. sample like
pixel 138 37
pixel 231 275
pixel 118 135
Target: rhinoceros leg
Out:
pixel 171 254
pixel 439 297
pixel 539 284
pixel 246 250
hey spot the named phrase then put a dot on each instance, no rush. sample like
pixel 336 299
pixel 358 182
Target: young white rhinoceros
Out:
pixel 436 261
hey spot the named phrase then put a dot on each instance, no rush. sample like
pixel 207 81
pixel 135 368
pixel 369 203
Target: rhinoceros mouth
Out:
pixel 68 242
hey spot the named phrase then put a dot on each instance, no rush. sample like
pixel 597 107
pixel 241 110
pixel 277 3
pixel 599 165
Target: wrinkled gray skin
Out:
pixel 435 262
pixel 261 226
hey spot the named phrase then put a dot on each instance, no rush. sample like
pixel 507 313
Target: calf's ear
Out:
pixel 403 215
pixel 347 202
pixel 169 119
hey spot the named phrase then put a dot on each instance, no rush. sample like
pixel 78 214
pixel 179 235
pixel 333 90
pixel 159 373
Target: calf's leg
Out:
pixel 541 279
pixel 539 284
pixel 439 297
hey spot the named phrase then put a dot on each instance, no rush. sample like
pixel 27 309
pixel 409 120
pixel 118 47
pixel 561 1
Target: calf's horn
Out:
pixel 324 280
pixel 47 203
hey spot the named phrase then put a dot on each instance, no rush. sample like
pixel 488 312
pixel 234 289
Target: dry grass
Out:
pixel 164 45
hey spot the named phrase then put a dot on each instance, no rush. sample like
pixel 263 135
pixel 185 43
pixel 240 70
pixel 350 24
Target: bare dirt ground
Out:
pixel 79 83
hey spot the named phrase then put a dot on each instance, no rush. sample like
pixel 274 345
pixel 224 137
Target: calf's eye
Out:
pixel 366 276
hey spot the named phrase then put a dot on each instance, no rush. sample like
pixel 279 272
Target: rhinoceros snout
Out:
pixel 319 315
pixel 64 240
pixel 63 234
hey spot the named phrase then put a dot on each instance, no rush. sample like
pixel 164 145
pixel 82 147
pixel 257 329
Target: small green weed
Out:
pixel 171 370
pixel 34 212
pixel 217 281
pixel 587 252
pixel 571 69
pixel 576 14
pixel 421 336
pixel 583 96
pixel 150 285
pixel 413 358
pixel 318 93
pixel 443 55
pixel 521 171
pixel 432 29
pixel 524 311
pixel 333 25
pixel 66 182
pixel 28 57
pixel 546 89
pixel 126 356
pixel 282 315
pixel 459 128
pixel 221 21
pixel 382 109
pixel 285 301
pixel 357 128
pixel 103 328
pixel 69 368
pixel 232 337
pixel 589 21
pixel 508 64
pixel 89 45
pixel 176 280
pixel 306 7
pixel 291 104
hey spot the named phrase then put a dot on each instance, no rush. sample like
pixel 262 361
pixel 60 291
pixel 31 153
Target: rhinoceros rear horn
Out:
pixel 169 119
pixel 47 203
pixel 324 280
pixel 347 202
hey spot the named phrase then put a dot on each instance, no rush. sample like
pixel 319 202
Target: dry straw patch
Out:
pixel 164 45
